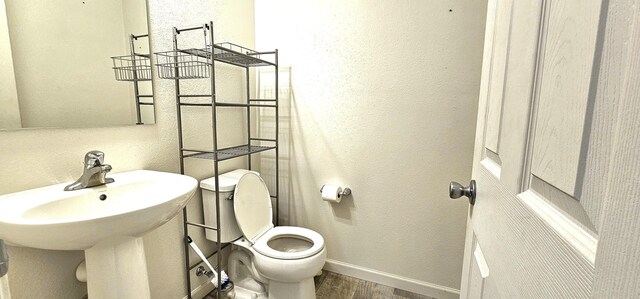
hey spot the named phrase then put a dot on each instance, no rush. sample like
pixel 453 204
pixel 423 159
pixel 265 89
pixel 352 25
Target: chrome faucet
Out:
pixel 94 172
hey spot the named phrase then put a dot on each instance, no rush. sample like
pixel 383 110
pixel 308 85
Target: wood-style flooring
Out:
pixel 332 285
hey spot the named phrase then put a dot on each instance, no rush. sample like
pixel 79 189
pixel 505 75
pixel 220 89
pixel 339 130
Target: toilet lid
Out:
pixel 252 206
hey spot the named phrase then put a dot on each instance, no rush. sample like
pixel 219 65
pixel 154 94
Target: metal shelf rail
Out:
pixel 197 63
pixel 134 67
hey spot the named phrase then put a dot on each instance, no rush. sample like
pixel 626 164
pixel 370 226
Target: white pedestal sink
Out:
pixel 107 222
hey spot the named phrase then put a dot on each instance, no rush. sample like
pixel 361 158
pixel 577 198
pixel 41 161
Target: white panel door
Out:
pixel 557 153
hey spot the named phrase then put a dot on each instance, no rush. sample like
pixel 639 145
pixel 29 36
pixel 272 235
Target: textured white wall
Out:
pixel 384 97
pixel 34 158
pixel 10 110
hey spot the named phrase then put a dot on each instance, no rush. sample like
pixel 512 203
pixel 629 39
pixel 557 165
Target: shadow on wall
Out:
pixel 266 129
pixel 342 211
pixel 296 175
pixel 305 189
pixel 295 171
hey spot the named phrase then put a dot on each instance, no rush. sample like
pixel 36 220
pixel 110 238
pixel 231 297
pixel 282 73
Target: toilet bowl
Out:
pixel 287 256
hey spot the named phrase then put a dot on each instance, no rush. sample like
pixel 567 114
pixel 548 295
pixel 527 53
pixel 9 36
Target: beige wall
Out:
pixel 9 108
pixel 34 158
pixel 61 54
pixel 134 23
pixel 384 97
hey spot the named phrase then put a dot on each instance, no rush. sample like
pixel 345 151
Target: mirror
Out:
pixel 74 63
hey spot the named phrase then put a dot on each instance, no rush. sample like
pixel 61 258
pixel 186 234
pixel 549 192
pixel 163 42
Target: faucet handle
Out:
pixel 93 158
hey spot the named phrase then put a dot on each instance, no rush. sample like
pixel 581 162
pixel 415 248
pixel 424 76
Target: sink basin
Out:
pixel 107 222
pixel 51 218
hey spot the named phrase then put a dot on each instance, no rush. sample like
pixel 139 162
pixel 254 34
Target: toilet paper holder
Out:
pixel 346 191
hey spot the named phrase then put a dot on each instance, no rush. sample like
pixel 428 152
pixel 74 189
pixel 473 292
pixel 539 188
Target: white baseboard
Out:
pixel 404 283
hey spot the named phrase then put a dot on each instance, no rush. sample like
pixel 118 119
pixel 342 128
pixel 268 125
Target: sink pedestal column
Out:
pixel 117 269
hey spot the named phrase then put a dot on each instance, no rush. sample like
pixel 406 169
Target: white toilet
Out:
pixel 285 258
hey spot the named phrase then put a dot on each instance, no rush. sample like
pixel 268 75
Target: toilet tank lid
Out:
pixel 227 180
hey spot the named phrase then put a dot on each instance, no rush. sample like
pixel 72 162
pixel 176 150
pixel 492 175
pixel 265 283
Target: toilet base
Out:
pixel 242 293
pixel 305 289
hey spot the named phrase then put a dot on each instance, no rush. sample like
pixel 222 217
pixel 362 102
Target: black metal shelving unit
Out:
pixel 198 63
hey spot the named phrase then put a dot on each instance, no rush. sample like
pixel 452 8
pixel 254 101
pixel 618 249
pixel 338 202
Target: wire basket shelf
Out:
pixel 183 64
pixel 132 68
pixel 194 63
pixel 239 55
pixel 229 153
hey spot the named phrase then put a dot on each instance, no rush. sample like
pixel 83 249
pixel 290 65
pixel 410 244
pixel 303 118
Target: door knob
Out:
pixel 456 191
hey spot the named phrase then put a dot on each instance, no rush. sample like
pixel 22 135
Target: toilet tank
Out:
pixel 229 230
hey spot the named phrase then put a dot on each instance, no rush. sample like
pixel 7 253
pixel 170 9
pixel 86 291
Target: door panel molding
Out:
pixel 555 139
pixel 563 90
pixel 531 244
pixel 563 202
pixel 492 162
pixel 495 91
pixel 583 241
pixel 500 40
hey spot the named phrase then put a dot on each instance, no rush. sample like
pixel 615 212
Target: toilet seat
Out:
pixel 252 206
pixel 253 212
pixel 262 244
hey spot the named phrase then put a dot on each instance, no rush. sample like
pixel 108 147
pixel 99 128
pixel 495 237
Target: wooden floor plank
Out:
pixel 331 285
pixel 336 286
pixel 318 280
pixel 372 290
pixel 402 294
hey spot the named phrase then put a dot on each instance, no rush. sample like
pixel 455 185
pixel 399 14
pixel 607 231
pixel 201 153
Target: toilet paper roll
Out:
pixel 332 193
